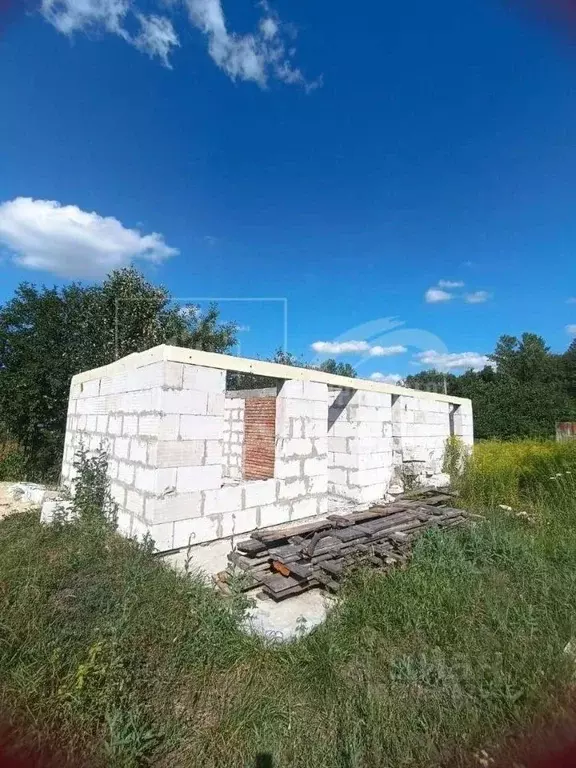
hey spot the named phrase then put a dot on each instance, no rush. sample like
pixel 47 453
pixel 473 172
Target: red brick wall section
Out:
pixel 259 437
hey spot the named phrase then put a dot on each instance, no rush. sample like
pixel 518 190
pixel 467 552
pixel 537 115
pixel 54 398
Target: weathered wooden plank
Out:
pixel 334 567
pixel 287 559
pixel 314 547
pixel 318 553
pixel 300 570
pixel 281 534
pixel 357 546
pixel 340 521
pixel 423 513
pixel 251 547
pixel 284 551
pixel 390 509
pixel 376 511
pixel 388 523
pixel 349 534
pixel 334 553
pixel 389 556
pixel 275 581
pixel 301 587
pixel 382 548
pixel 322 576
pixel 248 563
pixel 437 499
pixel 448 513
pixel 437 511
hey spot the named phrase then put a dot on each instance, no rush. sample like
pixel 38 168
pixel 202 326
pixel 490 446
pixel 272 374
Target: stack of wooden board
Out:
pixel 289 561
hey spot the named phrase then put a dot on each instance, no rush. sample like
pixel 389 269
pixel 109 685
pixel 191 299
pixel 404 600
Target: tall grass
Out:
pixel 531 473
pixel 130 663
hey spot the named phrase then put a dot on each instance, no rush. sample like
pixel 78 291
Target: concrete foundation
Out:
pixel 176 442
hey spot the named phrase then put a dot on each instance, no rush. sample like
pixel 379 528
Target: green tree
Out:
pixel 49 334
pixel 569 362
pixel 339 369
pixel 527 359
pixel 523 395
pixel 236 380
pixel 505 355
pixel 433 381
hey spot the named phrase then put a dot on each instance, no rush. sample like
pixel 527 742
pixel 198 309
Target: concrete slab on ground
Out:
pixel 289 619
pixel 21 496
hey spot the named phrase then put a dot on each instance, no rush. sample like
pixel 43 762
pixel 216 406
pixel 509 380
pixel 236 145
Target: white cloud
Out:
pixel 571 300
pixel 571 329
pixel 387 378
pixel 378 351
pixel 355 347
pixel 339 347
pixel 450 284
pixel 268 28
pixel 70 242
pixel 477 297
pixel 436 295
pixel 446 361
pixel 258 57
pixel 69 16
pixel 156 36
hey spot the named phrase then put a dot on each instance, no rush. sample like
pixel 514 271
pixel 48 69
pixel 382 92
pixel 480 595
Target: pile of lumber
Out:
pixel 290 560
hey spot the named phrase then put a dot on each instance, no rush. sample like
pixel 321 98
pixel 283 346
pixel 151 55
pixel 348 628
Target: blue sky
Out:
pixel 344 160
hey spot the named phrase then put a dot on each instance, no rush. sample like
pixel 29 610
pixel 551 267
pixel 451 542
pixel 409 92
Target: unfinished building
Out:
pixel 190 462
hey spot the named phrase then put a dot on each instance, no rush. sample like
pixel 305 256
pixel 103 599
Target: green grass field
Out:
pixel 112 656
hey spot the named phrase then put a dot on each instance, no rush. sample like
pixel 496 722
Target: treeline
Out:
pixel 47 335
pixel 525 391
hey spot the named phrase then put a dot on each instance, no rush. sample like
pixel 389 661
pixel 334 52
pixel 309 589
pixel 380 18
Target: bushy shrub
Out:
pixel 12 462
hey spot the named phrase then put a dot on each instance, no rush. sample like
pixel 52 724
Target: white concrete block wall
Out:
pixel 301 457
pixel 190 459
pixel 420 427
pixel 233 444
pixel 359 444
pixel 162 428
pixel 297 491
pixel 464 423
pixel 172 436
pixel 192 506
pixel 108 412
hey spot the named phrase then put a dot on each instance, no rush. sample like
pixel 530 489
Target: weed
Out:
pixel 454 458
pixel 131 663
pixel 520 473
